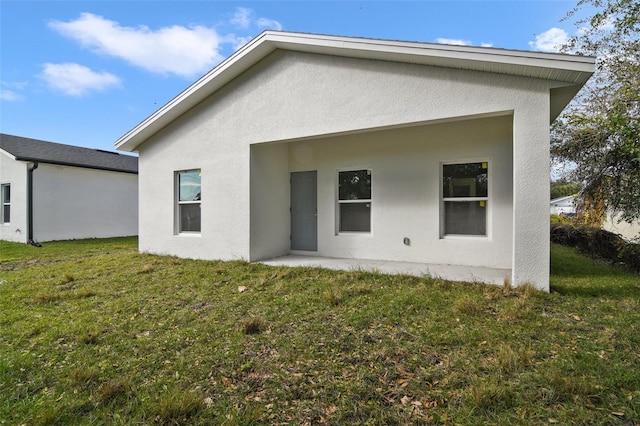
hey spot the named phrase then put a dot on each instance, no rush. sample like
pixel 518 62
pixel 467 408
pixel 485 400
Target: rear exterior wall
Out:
pixel 406 187
pixel 298 98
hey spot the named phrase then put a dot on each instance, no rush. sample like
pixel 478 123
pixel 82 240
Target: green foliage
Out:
pixel 597 243
pixel 563 220
pixel 600 132
pixel 174 341
pixel 563 188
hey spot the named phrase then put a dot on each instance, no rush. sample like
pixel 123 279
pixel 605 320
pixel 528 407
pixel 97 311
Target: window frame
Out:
pixel 486 199
pixel 340 202
pixel 3 190
pixel 178 203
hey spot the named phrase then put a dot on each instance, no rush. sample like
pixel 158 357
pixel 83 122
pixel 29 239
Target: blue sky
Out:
pixel 85 72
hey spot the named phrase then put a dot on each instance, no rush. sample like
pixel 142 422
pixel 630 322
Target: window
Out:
pixel 189 195
pixel 6 203
pixel 465 194
pixel 354 201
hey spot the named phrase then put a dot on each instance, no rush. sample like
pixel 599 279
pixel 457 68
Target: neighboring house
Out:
pixel 628 231
pixel 358 148
pixel 52 191
pixel 612 223
pixel 564 205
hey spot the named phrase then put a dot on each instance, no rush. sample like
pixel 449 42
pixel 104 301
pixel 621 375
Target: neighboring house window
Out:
pixel 6 203
pixel 465 196
pixel 354 201
pixel 189 196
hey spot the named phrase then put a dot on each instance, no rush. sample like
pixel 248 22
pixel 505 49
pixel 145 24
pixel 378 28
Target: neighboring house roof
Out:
pixel 567 72
pixel 26 149
pixel 562 199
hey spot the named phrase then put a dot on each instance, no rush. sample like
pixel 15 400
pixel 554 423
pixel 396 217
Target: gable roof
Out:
pixel 26 149
pixel 567 72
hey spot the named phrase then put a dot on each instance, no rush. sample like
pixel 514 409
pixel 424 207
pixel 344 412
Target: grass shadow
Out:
pixel 574 274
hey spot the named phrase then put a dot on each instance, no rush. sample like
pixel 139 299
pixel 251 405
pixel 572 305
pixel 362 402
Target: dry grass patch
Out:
pixel 254 325
pixel 467 306
pixel 84 376
pixel 112 390
pixel 177 407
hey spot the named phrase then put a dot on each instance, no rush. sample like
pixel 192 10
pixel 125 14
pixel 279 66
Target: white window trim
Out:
pixel 2 190
pixel 487 199
pixel 360 201
pixel 178 203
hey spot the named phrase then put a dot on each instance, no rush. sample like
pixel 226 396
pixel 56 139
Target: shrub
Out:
pixel 561 219
pixel 597 243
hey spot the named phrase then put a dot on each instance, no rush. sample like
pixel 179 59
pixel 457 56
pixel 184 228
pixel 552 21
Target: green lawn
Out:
pixel 91 332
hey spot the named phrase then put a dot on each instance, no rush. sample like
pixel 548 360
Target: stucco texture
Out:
pixel 298 111
pixel 14 173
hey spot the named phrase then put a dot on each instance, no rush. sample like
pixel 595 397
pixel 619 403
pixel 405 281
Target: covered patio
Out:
pixel 480 274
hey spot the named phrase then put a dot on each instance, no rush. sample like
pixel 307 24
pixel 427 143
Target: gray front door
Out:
pixel 304 211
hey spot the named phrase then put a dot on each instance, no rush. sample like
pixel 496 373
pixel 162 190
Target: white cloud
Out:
pixel 242 17
pixel 77 80
pixel 169 50
pixel 460 42
pixel 185 51
pixel 9 91
pixel 240 41
pixel 550 40
pixel 269 23
pixel 10 95
pixel 454 41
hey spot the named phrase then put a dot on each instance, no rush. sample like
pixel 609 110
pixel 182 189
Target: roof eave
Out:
pixel 569 70
pixel 7 153
pixel 71 164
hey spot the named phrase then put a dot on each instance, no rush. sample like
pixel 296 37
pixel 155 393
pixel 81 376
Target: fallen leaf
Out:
pixel 242 289
pixel 405 400
pixel 404 373
pixel 331 409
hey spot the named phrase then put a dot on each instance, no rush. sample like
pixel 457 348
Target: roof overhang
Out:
pixel 72 164
pixel 567 72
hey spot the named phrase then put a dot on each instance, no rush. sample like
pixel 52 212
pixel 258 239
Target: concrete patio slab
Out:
pixel 447 272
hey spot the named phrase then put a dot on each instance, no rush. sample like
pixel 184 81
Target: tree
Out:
pixel 600 131
pixel 563 187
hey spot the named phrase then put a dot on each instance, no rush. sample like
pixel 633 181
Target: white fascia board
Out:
pixel 426 53
pixel 568 69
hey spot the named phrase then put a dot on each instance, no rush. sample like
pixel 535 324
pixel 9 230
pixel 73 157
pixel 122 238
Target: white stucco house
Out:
pixel 563 205
pixel 630 231
pixel 51 191
pixel 358 148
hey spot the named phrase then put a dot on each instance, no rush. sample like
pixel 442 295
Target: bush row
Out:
pixel 597 243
